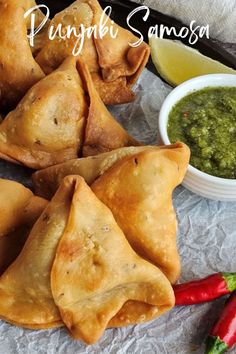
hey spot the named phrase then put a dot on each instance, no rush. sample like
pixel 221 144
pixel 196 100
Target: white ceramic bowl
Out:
pixel 195 180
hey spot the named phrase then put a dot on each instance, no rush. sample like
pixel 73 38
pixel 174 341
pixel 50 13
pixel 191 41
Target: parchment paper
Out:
pixel 206 242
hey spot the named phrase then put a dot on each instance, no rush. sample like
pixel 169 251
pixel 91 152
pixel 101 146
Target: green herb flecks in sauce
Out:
pixel 206 121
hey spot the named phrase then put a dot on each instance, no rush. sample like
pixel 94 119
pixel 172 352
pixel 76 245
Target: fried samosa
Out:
pixel 95 272
pixel 47 181
pixel 114 65
pixel 138 190
pixel 19 209
pixel 102 133
pixel 25 291
pixel 18 69
pixel 47 125
pixel 39 40
pixel 136 183
pixel 56 118
pixel 38 15
pixel 77 258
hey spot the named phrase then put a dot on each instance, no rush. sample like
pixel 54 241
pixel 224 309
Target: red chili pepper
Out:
pixel 203 290
pixel 223 335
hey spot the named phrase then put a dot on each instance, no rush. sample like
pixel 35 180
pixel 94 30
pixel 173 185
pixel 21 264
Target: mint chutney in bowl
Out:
pixel 201 112
pixel 206 121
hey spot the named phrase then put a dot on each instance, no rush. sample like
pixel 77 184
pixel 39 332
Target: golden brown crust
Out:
pixel 138 190
pixel 59 116
pixel 115 66
pixel 18 206
pixel 47 126
pixel 18 69
pixel 113 92
pixel 57 50
pixel 80 263
pixel 48 325
pixel 39 16
pixel 19 209
pixel 116 57
pixel 25 290
pixel 95 272
pixel 102 133
pixel 47 181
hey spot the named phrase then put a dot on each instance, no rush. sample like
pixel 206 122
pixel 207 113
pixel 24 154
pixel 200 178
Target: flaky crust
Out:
pixel 47 126
pixel 113 63
pixel 25 291
pixel 138 190
pixel 47 181
pixel 18 205
pixel 136 183
pixel 102 133
pixel 77 268
pixel 19 209
pixel 60 116
pixel 96 273
pixel 18 69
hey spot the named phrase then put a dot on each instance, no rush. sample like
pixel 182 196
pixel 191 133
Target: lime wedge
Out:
pixel 177 62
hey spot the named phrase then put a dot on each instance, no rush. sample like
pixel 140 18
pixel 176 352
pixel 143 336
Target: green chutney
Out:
pixel 206 121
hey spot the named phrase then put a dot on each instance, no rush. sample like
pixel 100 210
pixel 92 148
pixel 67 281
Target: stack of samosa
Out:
pixel 77 268
pixel 63 116
pixel 114 63
pixel 102 256
pixel 136 183
pixel 102 252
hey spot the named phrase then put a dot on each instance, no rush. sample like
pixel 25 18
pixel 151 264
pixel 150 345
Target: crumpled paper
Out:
pixel 206 242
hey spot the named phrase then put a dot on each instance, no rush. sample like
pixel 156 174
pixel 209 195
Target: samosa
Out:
pixel 47 181
pixel 25 291
pixel 114 64
pixel 60 116
pixel 95 273
pixel 102 133
pixel 18 69
pixel 138 190
pixel 19 209
pixel 136 183
pixel 77 260
pixel 47 125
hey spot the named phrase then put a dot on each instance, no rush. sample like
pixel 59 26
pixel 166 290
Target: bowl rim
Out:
pixel 190 85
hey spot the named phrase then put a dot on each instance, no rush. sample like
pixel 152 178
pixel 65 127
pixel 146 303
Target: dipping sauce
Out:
pixel 206 121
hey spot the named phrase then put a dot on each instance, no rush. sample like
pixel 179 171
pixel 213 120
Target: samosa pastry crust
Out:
pixel 138 190
pixel 59 116
pixel 47 126
pixel 18 69
pixel 77 258
pixel 19 209
pixel 25 289
pixel 57 50
pixel 139 193
pixel 18 206
pixel 95 272
pixel 113 63
pixel 39 16
pixel 47 181
pixel 102 133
